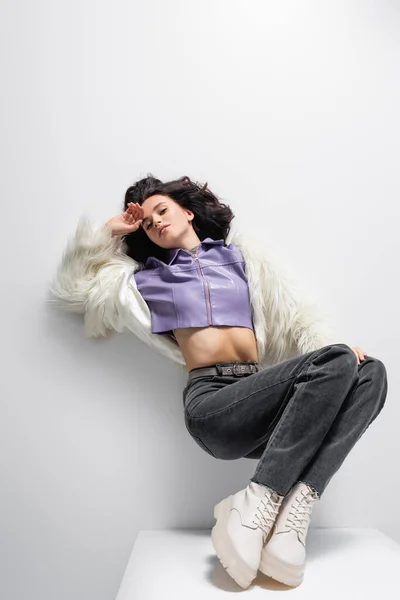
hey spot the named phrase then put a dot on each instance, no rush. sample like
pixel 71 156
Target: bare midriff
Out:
pixel 204 346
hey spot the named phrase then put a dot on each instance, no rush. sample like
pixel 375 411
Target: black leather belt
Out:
pixel 236 369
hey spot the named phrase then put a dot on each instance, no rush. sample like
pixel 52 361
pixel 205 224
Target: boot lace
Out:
pixel 266 513
pixel 299 513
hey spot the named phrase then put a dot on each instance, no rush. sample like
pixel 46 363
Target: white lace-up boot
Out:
pixel 244 521
pixel 284 555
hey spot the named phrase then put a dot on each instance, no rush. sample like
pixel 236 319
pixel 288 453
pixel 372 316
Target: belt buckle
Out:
pixel 236 369
pixel 239 370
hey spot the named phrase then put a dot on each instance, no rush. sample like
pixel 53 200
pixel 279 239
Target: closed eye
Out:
pixel 150 224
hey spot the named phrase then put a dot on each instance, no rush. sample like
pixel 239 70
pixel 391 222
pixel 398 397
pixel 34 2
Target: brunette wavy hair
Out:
pixel 211 217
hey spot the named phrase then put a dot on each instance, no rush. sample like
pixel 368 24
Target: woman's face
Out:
pixel 158 211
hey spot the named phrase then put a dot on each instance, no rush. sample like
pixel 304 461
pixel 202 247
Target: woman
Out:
pixel 299 417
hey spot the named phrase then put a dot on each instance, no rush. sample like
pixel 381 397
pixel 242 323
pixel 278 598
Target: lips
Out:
pixel 162 229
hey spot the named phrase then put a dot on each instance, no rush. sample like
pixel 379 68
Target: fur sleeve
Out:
pixel 95 278
pixel 90 249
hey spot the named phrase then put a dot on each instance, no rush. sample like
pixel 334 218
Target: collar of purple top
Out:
pixel 170 253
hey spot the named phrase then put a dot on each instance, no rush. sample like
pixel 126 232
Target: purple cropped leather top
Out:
pixel 201 289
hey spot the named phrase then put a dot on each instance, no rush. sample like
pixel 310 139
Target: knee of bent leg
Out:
pixel 379 367
pixel 347 357
pixel 379 373
pixel 378 377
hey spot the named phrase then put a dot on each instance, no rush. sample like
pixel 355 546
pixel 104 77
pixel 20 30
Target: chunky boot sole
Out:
pixel 237 568
pixel 287 574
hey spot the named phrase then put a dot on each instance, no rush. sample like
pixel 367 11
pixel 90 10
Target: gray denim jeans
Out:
pixel 300 417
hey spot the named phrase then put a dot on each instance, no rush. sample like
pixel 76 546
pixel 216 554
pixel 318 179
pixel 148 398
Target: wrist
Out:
pixel 108 224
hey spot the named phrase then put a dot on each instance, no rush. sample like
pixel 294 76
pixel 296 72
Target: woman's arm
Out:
pixel 96 278
pixel 91 248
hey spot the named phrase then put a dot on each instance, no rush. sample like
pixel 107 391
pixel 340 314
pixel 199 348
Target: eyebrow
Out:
pixel 156 206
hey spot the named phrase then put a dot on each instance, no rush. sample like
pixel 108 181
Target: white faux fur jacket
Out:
pixel 95 278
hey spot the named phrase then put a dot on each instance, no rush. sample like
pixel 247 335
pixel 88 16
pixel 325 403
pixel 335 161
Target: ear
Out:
pixel 189 213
